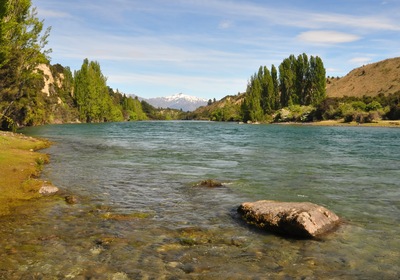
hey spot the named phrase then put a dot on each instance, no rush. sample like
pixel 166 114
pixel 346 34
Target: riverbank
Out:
pixel 20 166
pixel 383 123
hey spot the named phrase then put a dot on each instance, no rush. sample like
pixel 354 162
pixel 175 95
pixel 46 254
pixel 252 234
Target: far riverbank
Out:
pixel 383 123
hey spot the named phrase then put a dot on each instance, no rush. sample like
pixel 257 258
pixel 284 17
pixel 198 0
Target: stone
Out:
pixel 71 199
pixel 48 189
pixel 297 219
pixel 210 183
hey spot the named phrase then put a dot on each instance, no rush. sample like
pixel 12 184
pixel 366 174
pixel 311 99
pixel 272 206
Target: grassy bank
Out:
pixel 20 165
pixel 342 123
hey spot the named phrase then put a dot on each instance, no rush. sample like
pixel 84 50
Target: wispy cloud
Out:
pixel 53 13
pixel 213 46
pixel 327 37
pixel 295 17
pixel 225 24
pixel 360 60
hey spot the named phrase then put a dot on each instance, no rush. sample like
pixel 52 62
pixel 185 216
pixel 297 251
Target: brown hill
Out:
pixel 370 80
pixel 226 109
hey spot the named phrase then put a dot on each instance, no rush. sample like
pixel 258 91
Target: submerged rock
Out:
pixel 210 183
pixel 299 219
pixel 71 199
pixel 48 189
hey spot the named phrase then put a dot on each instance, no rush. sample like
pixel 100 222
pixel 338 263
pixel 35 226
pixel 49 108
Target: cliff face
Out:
pixel 377 78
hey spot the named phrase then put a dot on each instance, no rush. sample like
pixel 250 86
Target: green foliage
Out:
pixel 252 110
pixel 227 113
pixel 365 109
pixel 301 81
pixel 22 42
pixel 295 113
pixel 92 95
pixel 132 109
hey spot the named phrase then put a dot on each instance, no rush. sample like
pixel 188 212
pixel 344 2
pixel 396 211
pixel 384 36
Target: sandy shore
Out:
pixel 385 123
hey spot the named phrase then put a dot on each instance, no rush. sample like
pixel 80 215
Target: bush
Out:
pixel 295 113
pixel 358 105
pixel 373 106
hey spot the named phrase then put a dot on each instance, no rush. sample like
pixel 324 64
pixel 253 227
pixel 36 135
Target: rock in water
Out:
pixel 71 199
pixel 299 219
pixel 210 183
pixel 48 189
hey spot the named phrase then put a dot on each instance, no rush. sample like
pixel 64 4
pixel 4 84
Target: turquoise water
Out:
pixel 139 215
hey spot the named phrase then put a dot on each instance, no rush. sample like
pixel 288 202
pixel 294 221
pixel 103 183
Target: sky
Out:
pixel 210 48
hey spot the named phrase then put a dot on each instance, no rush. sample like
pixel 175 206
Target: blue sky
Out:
pixel 210 48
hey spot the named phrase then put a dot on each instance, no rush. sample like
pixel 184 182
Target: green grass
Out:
pixel 19 167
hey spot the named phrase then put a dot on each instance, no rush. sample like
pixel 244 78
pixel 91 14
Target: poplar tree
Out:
pixel 92 95
pixel 287 81
pixel 275 82
pixel 251 108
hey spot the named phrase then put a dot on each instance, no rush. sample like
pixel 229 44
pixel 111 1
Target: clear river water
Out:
pixel 140 214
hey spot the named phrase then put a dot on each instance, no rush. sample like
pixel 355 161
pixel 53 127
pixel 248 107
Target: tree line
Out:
pixel 300 81
pixel 80 96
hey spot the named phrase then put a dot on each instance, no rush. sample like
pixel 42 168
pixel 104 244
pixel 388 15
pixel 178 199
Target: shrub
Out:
pixel 373 106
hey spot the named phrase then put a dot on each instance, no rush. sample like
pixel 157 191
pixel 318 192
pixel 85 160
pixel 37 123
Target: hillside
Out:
pixel 226 109
pixel 369 80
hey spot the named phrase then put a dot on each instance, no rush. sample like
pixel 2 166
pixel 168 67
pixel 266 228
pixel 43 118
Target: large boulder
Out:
pixel 298 219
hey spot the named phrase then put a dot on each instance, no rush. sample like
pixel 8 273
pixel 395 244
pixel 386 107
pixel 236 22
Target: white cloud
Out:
pixel 225 24
pixel 46 13
pixel 360 60
pixel 295 17
pixel 327 37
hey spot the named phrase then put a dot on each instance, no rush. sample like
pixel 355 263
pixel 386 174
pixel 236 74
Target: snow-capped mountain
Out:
pixel 178 101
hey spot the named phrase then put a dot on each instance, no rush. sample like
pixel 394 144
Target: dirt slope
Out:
pixel 370 80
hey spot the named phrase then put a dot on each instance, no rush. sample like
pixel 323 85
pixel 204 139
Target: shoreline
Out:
pixel 20 167
pixel 392 124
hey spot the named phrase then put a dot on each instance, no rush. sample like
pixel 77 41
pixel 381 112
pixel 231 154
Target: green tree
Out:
pixel 92 95
pixel 22 43
pixel 275 82
pixel 132 109
pixel 302 72
pixel 251 108
pixel 287 81
pixel 316 92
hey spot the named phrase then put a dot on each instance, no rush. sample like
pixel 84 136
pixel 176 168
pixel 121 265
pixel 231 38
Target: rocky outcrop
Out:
pixel 298 219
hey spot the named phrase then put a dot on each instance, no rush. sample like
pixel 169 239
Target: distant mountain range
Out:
pixel 177 101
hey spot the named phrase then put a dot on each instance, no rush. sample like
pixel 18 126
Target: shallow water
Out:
pixel 140 217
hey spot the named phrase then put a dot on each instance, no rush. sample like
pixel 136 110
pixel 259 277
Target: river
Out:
pixel 140 214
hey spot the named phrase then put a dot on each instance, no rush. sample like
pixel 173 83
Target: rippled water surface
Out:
pixel 139 215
